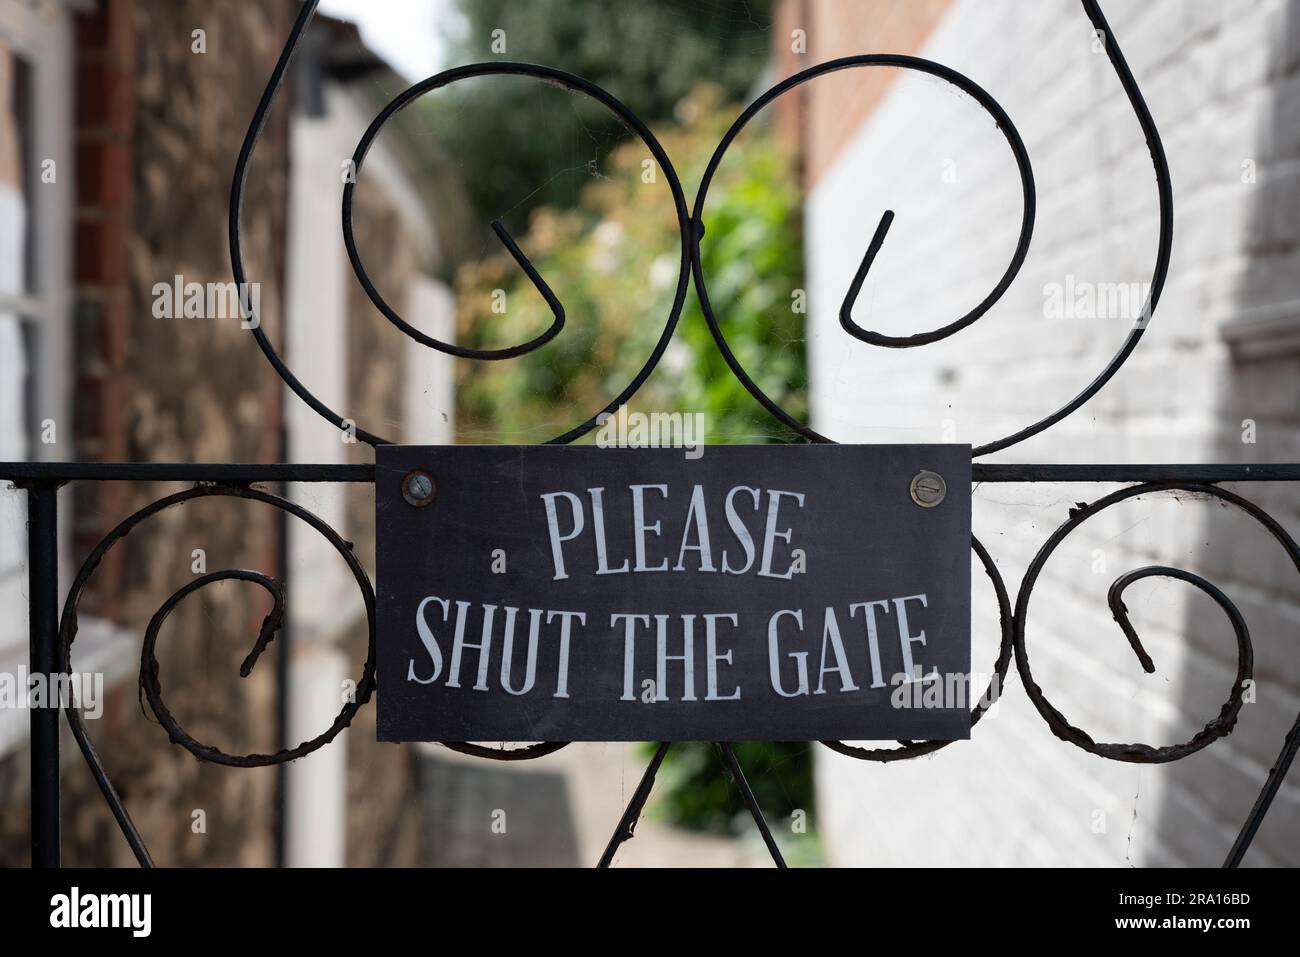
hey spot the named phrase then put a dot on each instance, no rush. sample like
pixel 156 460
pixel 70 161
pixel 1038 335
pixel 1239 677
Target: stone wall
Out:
pixel 189 390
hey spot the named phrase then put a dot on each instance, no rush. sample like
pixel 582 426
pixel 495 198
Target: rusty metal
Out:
pixel 150 684
pixel 419 488
pixel 1219 726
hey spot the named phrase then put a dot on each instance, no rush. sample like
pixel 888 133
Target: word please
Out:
pixel 569 519
pixel 685 655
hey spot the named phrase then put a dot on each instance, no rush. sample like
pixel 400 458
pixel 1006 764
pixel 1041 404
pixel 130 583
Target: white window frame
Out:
pixel 42 32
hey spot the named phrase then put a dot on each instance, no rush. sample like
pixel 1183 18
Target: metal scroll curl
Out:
pixel 938 70
pixel 546 74
pixel 986 102
pixel 1225 721
pixel 915 749
pixel 150 684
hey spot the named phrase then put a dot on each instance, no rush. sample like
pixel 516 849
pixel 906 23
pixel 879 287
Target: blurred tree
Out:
pixel 613 261
pixel 695 791
pixel 648 55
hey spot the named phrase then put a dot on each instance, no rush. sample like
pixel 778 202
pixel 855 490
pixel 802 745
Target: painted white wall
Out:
pixel 1222 82
pixel 430 376
pixel 318 283
pixel 316 796
pixel 323 598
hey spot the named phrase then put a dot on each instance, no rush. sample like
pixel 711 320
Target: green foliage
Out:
pixel 514 139
pixel 613 261
pixel 695 791
pixel 752 258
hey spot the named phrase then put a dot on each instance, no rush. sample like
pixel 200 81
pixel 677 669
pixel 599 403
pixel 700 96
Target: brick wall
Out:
pixel 103 141
pixel 807 32
pixel 1223 83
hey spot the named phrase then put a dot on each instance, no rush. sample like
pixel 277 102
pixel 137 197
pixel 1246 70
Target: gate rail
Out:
pixel 52 633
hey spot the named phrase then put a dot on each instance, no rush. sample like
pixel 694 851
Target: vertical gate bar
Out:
pixel 281 822
pixel 43 657
pixel 627 823
pixel 733 765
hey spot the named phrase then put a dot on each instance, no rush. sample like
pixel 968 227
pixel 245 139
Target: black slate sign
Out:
pixel 560 593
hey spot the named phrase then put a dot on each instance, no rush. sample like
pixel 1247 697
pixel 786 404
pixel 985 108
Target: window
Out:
pixel 36 203
pixel 36 199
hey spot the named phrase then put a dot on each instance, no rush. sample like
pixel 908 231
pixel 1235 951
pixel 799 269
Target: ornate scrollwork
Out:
pixel 986 102
pixel 151 686
pixel 546 74
pixel 1222 724
pixel 692 231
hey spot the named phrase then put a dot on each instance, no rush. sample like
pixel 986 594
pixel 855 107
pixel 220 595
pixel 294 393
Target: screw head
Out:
pixel 928 489
pixel 419 488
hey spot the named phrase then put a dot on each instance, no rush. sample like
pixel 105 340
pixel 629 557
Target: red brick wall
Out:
pixel 824 113
pixel 104 126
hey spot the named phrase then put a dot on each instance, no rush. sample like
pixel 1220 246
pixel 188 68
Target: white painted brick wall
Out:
pixel 1222 82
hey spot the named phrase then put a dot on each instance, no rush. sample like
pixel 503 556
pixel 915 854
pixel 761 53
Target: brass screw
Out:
pixel 419 488
pixel 928 489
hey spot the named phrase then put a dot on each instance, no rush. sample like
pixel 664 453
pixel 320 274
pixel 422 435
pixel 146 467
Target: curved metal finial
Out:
pixel 1018 255
pixel 1029 202
pixel 449 348
pixel 855 287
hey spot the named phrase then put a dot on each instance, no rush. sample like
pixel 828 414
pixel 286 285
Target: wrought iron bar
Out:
pixel 1276 775
pixel 1124 473
pixel 626 828
pixel 220 473
pixel 25 473
pixel 43 653
pixel 738 775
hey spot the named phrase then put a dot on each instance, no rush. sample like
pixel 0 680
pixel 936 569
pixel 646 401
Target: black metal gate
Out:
pixel 53 633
